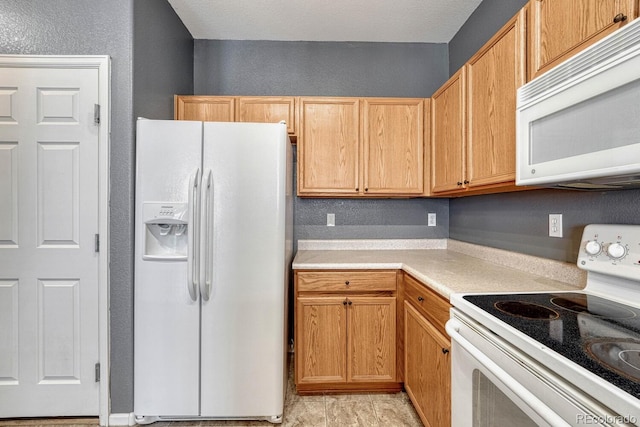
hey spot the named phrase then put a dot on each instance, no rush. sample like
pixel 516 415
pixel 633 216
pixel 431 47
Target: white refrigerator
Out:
pixel 212 257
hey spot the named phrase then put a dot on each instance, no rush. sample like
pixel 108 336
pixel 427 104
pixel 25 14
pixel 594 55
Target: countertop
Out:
pixel 445 265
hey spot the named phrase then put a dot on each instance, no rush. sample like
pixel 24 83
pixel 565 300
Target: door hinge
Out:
pixel 97 373
pixel 96 114
pixel 97 243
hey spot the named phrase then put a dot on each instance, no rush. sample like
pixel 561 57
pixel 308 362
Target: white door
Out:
pixel 49 206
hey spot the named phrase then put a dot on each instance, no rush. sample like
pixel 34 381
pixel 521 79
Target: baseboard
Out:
pixel 122 419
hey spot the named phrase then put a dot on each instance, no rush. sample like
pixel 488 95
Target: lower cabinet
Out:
pixel 345 331
pixel 427 364
pixel 358 331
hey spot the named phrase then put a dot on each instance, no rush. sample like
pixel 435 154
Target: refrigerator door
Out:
pixel 243 307
pixel 167 305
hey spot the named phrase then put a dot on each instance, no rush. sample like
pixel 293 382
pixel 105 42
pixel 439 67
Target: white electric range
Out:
pixel 554 359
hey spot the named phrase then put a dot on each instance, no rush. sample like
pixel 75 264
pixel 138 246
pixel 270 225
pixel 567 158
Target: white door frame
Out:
pixel 102 63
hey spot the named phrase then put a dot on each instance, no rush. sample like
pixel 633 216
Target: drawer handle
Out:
pixel 420 299
pixel 346 283
pixel 445 350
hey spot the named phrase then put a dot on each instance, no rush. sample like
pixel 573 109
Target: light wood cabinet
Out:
pixel 204 108
pixel 427 375
pixel 448 134
pixel 256 109
pixel 329 147
pixel 264 109
pixel 494 75
pixel 560 28
pixel 393 146
pixel 345 331
pixel 474 117
pixel 361 147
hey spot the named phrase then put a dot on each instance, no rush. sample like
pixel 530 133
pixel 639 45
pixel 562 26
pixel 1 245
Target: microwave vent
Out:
pixel 616 47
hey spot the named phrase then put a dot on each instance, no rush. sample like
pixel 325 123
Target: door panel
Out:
pixel 371 338
pixel 321 340
pixel 48 219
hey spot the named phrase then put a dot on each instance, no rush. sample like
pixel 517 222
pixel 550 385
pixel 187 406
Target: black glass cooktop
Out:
pixel 600 335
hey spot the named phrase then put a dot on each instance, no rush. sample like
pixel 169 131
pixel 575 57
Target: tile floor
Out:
pixel 330 410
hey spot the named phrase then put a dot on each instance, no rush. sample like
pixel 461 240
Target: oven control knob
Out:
pixel 616 250
pixel 593 247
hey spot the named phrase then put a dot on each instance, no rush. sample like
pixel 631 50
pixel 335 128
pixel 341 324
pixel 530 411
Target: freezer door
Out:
pixel 166 317
pixel 243 318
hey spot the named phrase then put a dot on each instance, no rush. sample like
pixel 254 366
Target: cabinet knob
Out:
pixel 420 299
pixel 619 18
pixel 344 303
pixel 459 183
pixel 445 350
pixel 366 189
pixel 466 181
pixel 350 303
pixel 346 283
pixel 357 188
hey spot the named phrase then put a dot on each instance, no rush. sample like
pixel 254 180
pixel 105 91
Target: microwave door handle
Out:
pixel 453 326
pixel 193 236
pixel 206 248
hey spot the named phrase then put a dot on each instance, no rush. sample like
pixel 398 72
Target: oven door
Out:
pixel 494 384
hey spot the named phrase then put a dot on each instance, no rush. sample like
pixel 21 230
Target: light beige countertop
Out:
pixel 447 266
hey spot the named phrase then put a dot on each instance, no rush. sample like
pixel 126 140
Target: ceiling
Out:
pixel 415 21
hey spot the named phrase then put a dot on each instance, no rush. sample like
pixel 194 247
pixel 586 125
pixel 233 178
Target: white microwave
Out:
pixel 578 125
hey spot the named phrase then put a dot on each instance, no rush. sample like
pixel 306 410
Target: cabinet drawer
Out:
pixel 346 281
pixel 431 305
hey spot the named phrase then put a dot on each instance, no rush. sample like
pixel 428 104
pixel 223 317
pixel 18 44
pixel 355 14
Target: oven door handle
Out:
pixel 453 327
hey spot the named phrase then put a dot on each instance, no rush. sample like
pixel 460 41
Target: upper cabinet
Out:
pixel 448 135
pixel 393 145
pixel 263 109
pixel 361 147
pixel 494 75
pixel 329 147
pixel 204 108
pixel 474 116
pixel 257 109
pixel 561 28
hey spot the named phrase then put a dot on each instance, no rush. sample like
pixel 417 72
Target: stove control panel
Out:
pixel 611 249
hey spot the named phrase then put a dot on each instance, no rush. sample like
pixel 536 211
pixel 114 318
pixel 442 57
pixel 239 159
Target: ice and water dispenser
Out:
pixel 165 230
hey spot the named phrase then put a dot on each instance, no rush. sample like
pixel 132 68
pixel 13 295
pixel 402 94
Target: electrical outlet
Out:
pixel 555 225
pixel 331 220
pixel 431 219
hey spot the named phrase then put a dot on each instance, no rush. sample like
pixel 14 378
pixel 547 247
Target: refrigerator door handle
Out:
pixel 193 236
pixel 206 248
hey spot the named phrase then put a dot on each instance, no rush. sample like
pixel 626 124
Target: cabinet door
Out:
pixel 328 146
pixel 448 135
pixel 561 28
pixel 427 377
pixel 321 339
pixel 267 110
pixel 204 108
pixel 493 77
pixel 371 349
pixel 393 146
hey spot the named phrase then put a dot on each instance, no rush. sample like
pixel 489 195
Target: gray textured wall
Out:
pixel 105 27
pixel 235 67
pixel 519 221
pixel 163 59
pixel 334 69
pixel 94 27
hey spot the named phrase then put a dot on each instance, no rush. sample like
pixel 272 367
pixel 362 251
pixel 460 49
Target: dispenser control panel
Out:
pixel 155 212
